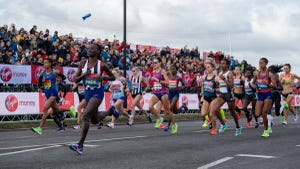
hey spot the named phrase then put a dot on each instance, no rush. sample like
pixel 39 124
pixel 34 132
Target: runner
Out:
pixel 238 89
pixel 264 81
pixel 209 94
pixel 276 93
pixel 137 93
pixel 225 80
pixel 287 80
pixel 173 95
pixel 79 88
pixel 48 80
pixel 250 97
pixel 91 74
pixel 160 93
pixel 118 88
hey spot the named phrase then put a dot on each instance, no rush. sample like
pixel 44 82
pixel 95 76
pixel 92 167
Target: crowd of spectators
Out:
pixel 19 46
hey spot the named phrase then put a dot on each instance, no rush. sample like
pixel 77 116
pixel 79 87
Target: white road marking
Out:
pixel 257 156
pixel 201 131
pixel 298 145
pixel 215 163
pixel 64 143
pixel 90 145
pixel 23 151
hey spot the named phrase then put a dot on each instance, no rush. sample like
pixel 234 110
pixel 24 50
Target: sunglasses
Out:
pixel 155 62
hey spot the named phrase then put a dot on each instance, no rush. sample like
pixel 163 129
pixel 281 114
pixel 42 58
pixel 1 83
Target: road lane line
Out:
pixel 222 160
pixel 64 143
pixel 298 145
pixel 257 156
pixel 23 151
pixel 90 145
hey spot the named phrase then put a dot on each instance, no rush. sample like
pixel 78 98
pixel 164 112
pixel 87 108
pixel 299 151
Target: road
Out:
pixel 142 146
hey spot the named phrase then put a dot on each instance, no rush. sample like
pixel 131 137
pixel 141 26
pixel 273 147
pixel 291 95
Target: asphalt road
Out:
pixel 142 146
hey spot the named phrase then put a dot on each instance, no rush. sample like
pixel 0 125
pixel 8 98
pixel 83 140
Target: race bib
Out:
pixel 172 84
pixel 47 84
pixel 157 86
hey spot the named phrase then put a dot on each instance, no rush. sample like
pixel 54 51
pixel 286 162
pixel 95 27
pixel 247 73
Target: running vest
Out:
pixel 157 86
pixel 208 85
pixel 173 83
pixel 238 82
pixel 50 82
pixel 288 79
pixel 92 81
pixel 248 89
pixel 224 88
pixel 136 85
pixel 263 83
pixel 117 89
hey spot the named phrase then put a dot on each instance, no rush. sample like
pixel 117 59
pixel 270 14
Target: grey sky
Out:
pixel 257 27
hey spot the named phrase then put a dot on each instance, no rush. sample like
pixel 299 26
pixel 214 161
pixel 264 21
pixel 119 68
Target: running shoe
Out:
pixel 161 126
pixel 205 123
pixel 37 130
pixel 150 118
pixel 248 124
pixel 60 129
pixel 284 122
pixel 238 131
pixel 110 125
pixel 174 128
pixel 265 134
pixel 114 112
pixel 158 122
pixel 76 147
pixel 72 112
pixel 76 127
pixel 130 121
pixel 296 117
pixel 213 132
pixel 222 128
pixel 167 128
pixel 269 130
pixel 256 125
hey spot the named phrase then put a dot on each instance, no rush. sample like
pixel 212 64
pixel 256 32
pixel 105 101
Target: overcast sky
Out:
pixel 269 28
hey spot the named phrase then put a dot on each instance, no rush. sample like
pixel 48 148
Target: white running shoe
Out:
pixel 76 127
pixel 296 117
pixel 130 121
pixel 110 125
pixel 284 122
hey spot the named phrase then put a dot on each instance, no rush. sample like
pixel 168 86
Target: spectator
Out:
pixel 33 29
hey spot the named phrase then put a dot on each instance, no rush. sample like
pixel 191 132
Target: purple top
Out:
pixel 159 88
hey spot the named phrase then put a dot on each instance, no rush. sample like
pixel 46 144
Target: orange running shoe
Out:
pixel 213 132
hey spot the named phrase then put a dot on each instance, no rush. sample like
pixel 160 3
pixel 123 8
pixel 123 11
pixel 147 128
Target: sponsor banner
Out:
pixel 15 74
pixel 70 73
pixel 67 103
pixel 190 100
pixel 19 103
pixel 36 72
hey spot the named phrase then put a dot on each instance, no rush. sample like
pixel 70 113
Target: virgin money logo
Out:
pixel 185 100
pixel 11 103
pixel 71 75
pixel 5 74
pixel 38 72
